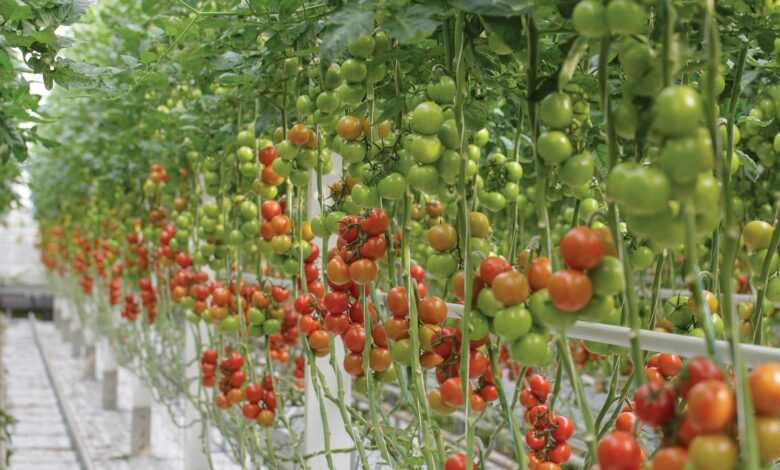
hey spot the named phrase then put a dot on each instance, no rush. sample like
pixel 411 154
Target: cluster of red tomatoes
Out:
pixel 299 373
pixel 232 376
pixel 549 432
pixel 260 404
pixel 696 414
pixel 130 310
pixel 166 253
pixel 115 286
pixel 138 254
pixel 148 298
pixel 361 242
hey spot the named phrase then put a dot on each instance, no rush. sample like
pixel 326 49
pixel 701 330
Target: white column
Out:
pixel 313 436
pixel 110 376
pixel 195 457
pixel 141 425
pixel 90 353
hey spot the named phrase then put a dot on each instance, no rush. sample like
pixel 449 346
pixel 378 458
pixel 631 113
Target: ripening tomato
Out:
pixel 353 364
pixel 265 418
pixel 338 272
pixel 625 422
pixel 432 310
pixel 318 340
pixel 619 450
pixel 510 288
pixel 442 237
pixel 713 452
pixel 363 271
pixel 768 435
pixel 711 406
pixel 398 301
pixel 765 389
pixel 570 290
pixel 349 127
pixel 670 458
pixel 539 273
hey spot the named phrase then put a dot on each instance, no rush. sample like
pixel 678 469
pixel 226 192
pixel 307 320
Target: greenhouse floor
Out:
pixel 40 437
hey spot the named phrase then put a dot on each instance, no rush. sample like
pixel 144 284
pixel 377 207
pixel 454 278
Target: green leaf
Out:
pixel 752 169
pixel 15 10
pixel 576 53
pixel 344 25
pixel 506 8
pixel 415 23
pixel 227 61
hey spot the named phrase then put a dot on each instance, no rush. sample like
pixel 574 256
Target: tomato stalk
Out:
pixel 745 416
pixel 312 360
pixel 540 197
pixel 758 314
pixel 517 437
pixel 579 390
pixel 655 293
pixel 417 374
pixel 630 301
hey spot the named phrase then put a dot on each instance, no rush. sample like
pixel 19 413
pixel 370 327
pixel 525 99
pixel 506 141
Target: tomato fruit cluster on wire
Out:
pixel 421 202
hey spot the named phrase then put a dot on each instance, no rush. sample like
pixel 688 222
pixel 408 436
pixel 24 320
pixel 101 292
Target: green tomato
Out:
pixel 641 258
pixel 511 191
pixel 479 325
pixel 487 302
pixel 245 154
pixel 678 111
pixel 773 290
pixel 626 17
pixel 354 70
pixel 599 309
pixel 554 147
pixel 625 119
pixel 481 137
pixel 272 326
pixel 578 170
pixel 532 350
pixel 362 46
pixel 246 138
pixel 282 167
pixel 287 150
pixel 401 351
pixel 590 19
pixel 427 118
pixel 299 177
pixel 555 111
pixel 229 324
pixel 255 316
pixel 514 171
pixel 332 78
pixel 392 187
pixel 424 149
pixel 443 92
pixel 607 277
pixel 441 265
pixel 328 102
pixel 545 313
pixel 364 196
pixel 493 201
pixel 512 322
pixel 423 178
pixel 303 106
pixel 307 159
pixel 449 166
pixel 448 134
pixel 677 311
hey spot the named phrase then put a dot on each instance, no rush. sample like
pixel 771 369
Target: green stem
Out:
pixel 582 401
pixel 758 313
pixel 517 438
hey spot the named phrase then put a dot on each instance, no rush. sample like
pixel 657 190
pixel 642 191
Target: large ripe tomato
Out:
pixel 654 403
pixel 539 273
pixel 711 406
pixel 765 389
pixel 376 222
pixel 510 288
pixel 713 452
pixel 570 290
pixel 582 248
pixel 619 450
pixel 697 370
pixel 670 458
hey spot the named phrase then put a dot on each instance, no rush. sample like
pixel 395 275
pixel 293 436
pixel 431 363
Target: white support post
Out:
pixel 196 437
pixel 90 353
pixel 110 376
pixel 66 318
pixel 77 336
pixel 141 425
pixel 339 438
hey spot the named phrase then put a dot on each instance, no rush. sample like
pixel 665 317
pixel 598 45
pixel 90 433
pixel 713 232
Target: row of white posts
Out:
pixel 101 365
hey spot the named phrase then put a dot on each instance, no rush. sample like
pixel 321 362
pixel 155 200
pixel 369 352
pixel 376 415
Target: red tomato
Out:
pixel 697 370
pixel 539 273
pixel 563 428
pixel 536 440
pixel 451 392
pixel 670 458
pixel 560 453
pixel 765 389
pixel 619 450
pixel 654 403
pixel 540 386
pixel 376 222
pixel 669 364
pixel 582 248
pixel 625 422
pixel 398 302
pixel 491 267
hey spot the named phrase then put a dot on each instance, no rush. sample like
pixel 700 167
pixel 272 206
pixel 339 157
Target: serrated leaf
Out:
pixel 506 8
pixel 576 53
pixel 752 169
